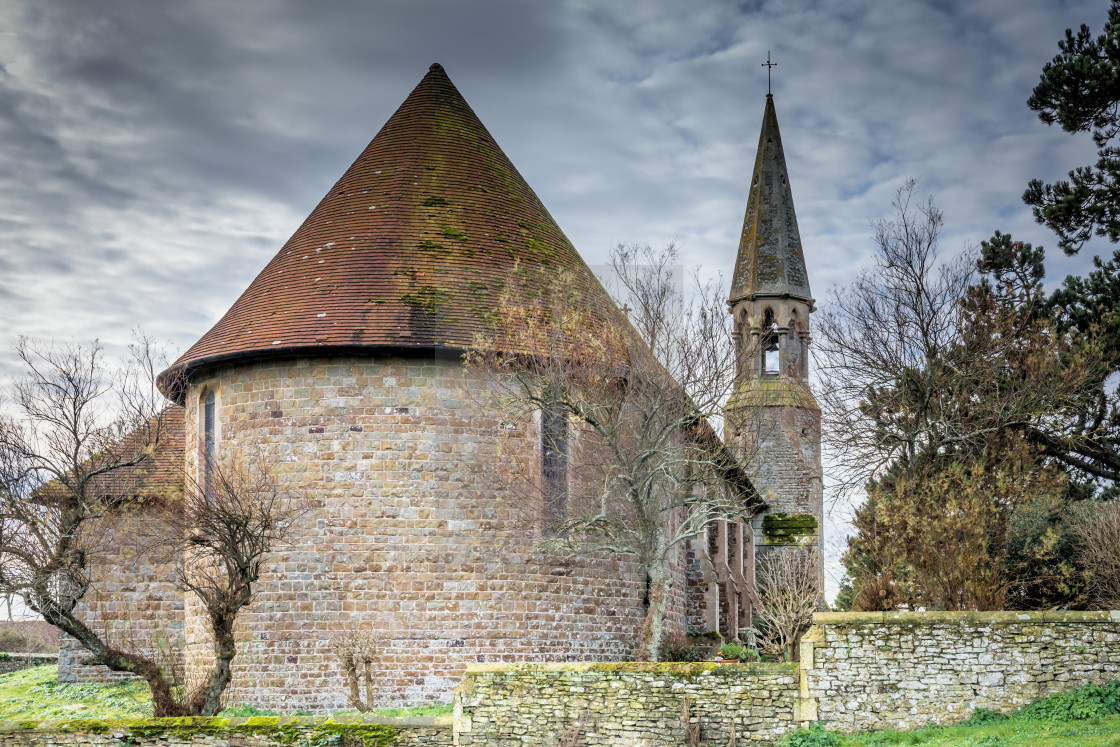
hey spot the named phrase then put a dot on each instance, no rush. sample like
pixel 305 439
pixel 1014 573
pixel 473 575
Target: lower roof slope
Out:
pixel 409 249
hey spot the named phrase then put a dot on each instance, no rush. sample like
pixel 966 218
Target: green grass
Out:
pixel 1099 731
pixel 35 694
pixel 417 711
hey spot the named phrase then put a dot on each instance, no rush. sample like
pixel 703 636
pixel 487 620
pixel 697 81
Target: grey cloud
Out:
pixel 154 156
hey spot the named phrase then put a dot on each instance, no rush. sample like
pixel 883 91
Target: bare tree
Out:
pixel 72 451
pixel 1096 531
pixel 356 652
pixel 220 534
pixel 788 582
pixel 935 369
pixel 920 355
pixel 642 468
pixel 79 449
pixel 884 336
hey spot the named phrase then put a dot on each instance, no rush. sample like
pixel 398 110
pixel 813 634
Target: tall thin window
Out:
pixel 554 466
pixel 770 355
pixel 208 443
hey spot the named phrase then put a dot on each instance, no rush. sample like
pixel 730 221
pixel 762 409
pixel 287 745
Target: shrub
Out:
pixel 731 650
pixel 750 654
pixel 815 736
pixel 983 716
pixel 1087 702
pixel 676 648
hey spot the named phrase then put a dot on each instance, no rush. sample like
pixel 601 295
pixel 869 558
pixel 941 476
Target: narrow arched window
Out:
pixel 554 466
pixel 209 442
pixel 769 340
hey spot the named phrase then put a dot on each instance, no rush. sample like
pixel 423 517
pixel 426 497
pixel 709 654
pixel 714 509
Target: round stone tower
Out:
pixel 774 422
pixel 342 362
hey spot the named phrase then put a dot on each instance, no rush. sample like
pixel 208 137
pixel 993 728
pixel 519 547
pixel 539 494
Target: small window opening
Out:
pixel 770 365
pixel 554 466
pixel 649 588
pixel 208 443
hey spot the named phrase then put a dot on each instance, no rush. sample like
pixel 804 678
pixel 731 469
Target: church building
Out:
pixel 344 357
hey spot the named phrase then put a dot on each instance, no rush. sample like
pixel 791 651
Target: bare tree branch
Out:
pixel 643 397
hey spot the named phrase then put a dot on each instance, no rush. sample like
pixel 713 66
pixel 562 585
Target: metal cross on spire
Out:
pixel 768 64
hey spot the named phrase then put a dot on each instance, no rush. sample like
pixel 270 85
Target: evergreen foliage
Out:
pixel 1080 91
pixel 978 410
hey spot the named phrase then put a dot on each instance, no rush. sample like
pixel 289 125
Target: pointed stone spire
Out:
pixel 771 262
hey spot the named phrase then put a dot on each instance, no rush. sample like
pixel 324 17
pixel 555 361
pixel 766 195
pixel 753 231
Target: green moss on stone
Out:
pixel 428 298
pixel 285 730
pixel 788 529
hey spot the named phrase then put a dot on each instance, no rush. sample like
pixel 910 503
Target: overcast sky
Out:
pixel 155 155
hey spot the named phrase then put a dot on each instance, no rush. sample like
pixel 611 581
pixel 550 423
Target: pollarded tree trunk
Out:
pixel 222 609
pixel 115 660
pixel 652 631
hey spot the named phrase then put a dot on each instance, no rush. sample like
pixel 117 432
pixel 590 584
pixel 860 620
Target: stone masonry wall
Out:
pixel 413 536
pixel 16 662
pixel 132 601
pixel 857 671
pixel 784 445
pixel 237 732
pixel 623 704
pixel 901 670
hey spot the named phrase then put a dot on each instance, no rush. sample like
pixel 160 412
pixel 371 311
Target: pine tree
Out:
pixel 1080 91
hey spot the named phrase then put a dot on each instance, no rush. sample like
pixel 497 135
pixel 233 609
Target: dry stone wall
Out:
pixel 902 670
pixel 857 671
pixel 624 704
pixel 15 662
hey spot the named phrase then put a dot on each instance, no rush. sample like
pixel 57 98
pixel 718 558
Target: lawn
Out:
pixel 1086 717
pixel 36 695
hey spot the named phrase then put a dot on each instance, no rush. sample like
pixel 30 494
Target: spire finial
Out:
pixel 768 64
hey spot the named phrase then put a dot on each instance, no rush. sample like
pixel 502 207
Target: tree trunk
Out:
pixel 208 701
pixel 369 685
pixel 651 633
pixel 352 678
pixel 163 701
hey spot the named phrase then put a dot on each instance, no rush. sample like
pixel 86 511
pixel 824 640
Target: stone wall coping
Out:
pixel 962 618
pixel 631 667
pixel 25 655
pixel 82 725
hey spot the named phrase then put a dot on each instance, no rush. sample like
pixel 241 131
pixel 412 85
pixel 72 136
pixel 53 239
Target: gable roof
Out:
pixel 155 478
pixel 409 249
pixel 771 261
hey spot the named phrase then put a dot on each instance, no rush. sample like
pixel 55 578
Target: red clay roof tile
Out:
pixel 409 249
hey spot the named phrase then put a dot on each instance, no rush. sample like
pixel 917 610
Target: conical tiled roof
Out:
pixel 771 261
pixel 409 249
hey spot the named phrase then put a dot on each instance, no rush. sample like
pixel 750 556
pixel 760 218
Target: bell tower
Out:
pixel 773 420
